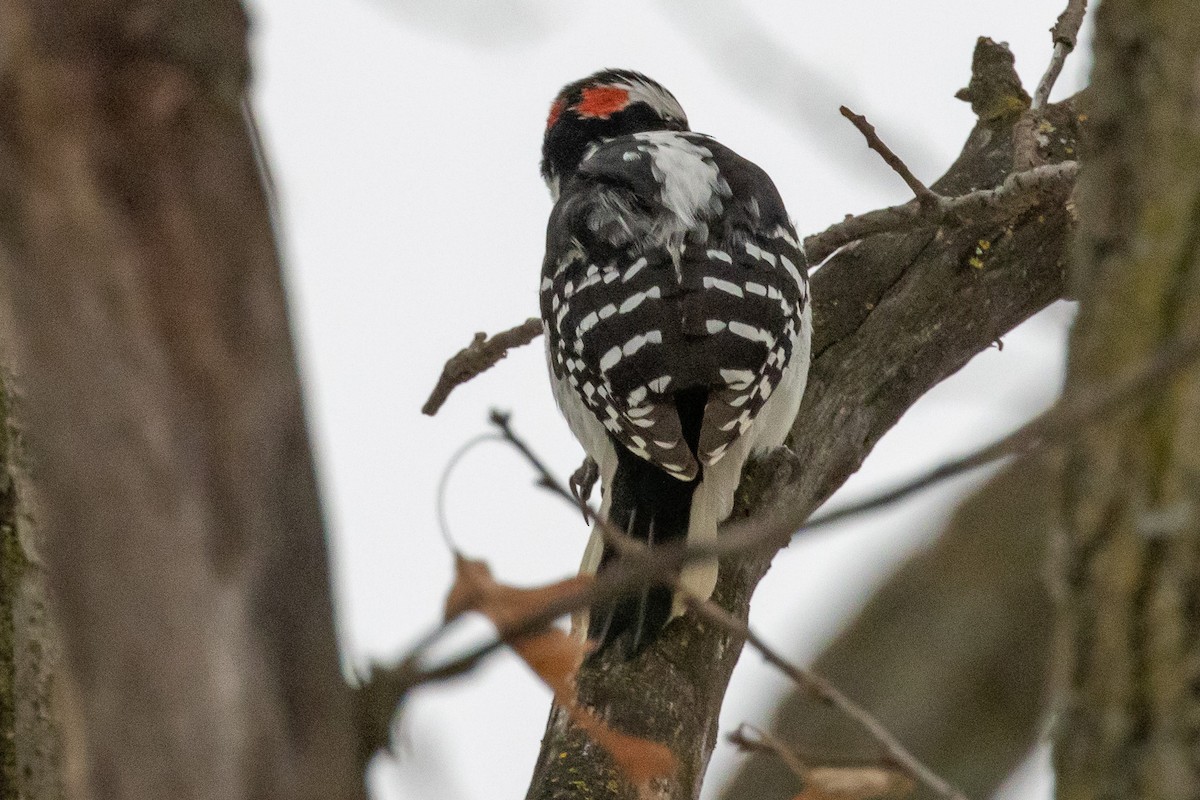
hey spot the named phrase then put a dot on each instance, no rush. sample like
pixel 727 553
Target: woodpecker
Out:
pixel 675 303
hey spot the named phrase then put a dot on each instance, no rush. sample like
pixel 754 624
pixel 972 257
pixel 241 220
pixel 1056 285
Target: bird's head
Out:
pixel 612 102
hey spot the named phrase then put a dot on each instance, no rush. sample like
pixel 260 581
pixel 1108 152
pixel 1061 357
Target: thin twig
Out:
pixel 752 739
pixel 828 693
pixel 444 483
pixel 503 422
pixel 1064 35
pixel 480 355
pixel 761 741
pixel 861 779
pixel 927 198
pixel 1019 191
pixel 613 535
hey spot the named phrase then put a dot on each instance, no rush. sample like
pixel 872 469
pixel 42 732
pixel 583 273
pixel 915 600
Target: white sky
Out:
pixel 404 136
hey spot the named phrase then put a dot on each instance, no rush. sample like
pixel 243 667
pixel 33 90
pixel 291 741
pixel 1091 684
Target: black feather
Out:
pixel 651 507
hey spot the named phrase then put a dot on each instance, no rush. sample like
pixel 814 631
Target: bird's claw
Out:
pixel 582 481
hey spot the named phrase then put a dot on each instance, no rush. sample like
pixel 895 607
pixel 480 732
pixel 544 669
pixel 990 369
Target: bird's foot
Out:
pixel 582 482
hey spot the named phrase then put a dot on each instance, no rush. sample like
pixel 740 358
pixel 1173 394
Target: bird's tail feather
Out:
pixel 654 508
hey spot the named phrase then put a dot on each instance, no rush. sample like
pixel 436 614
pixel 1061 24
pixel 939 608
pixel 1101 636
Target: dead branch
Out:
pixel 861 781
pixel 479 356
pixel 1064 35
pixel 751 739
pixel 1019 192
pixel 925 197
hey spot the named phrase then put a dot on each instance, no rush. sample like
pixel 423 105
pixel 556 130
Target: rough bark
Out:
pixel 30 745
pixel 171 475
pixel 894 315
pixel 951 653
pixel 1130 571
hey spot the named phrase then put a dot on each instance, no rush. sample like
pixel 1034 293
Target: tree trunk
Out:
pixel 1130 571
pixel 30 745
pixel 171 480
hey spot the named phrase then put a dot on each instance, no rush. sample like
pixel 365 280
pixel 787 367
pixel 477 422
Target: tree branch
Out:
pixel 925 198
pixel 478 357
pixel 1066 419
pixel 1016 194
pixel 1064 35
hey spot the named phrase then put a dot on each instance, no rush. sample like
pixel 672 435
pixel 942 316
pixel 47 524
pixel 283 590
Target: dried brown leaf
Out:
pixel 472 581
pixel 640 760
pixel 476 590
pixel 550 653
pixel 555 657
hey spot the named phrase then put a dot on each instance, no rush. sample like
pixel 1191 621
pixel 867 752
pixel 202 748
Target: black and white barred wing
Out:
pixel 751 301
pixel 611 324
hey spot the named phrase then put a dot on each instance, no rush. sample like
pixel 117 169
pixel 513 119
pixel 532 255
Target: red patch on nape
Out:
pixel 602 101
pixel 555 112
